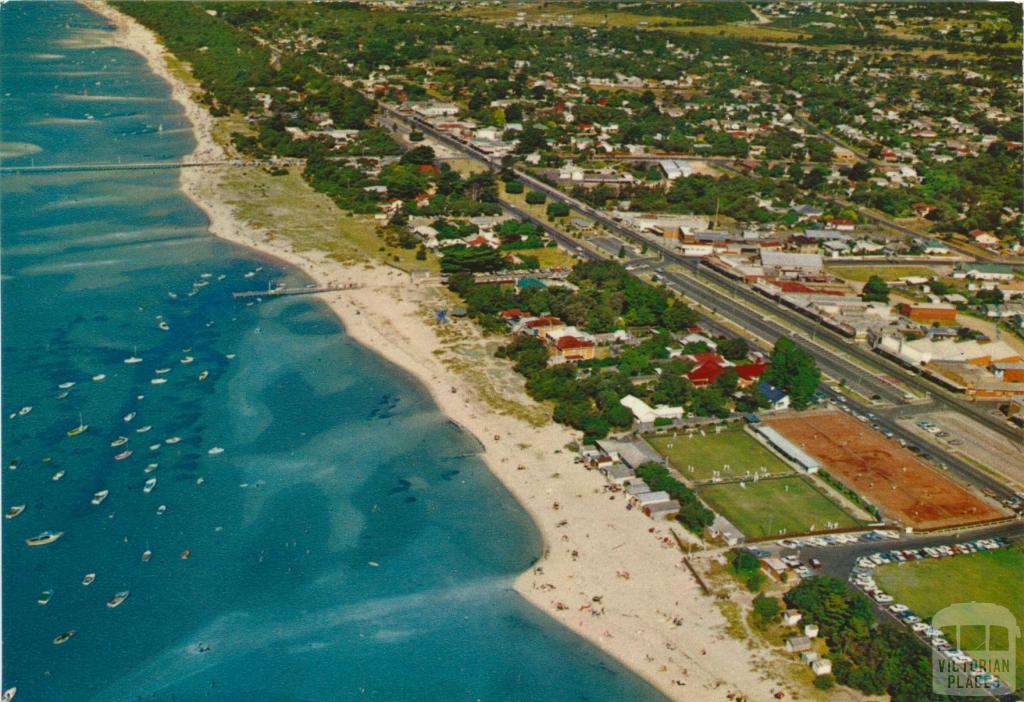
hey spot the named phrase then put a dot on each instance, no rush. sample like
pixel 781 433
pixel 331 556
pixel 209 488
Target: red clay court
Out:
pixel 885 473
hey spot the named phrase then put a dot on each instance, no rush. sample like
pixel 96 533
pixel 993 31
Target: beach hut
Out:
pixel 663 510
pixel 618 474
pixel 797 644
pixel 637 487
pixel 791 617
pixel 822 666
pixel 810 630
pixel 646 499
pixel 808 657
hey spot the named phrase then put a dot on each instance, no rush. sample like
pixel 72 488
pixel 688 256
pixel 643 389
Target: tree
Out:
pixel 767 609
pixel 514 187
pixel 558 209
pixel 534 197
pixel 419 156
pixel 416 135
pixel 795 371
pixel 476 259
pixel 531 139
pixel 734 349
pixel 875 290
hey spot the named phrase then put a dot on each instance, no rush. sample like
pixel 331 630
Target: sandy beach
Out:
pixel 611 575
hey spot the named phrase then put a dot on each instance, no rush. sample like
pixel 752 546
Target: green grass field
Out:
pixel 860 274
pixel 768 508
pixel 992 576
pixel 732 447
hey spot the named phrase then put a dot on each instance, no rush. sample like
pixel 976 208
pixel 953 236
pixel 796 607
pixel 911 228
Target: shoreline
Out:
pixel 610 575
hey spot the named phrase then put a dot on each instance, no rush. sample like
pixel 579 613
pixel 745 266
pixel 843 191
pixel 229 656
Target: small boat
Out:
pixel 14 511
pixel 24 410
pixel 133 359
pixel 172 440
pixel 64 637
pixel 161 509
pixel 151 467
pixel 13 465
pixel 164 326
pixel 57 476
pixel 117 599
pixel 63 395
pixel 146 555
pixel 123 455
pixel 374 564
pixel 250 274
pixel 200 480
pixel 148 487
pixel 186 554
pixel 204 375
pixel 172 295
pixel 10 692
pixel 161 371
pixel 129 417
pixel 119 441
pixel 154 447
pixel 98 497
pixel 230 355
pixel 99 376
pixel 158 381
pixel 66 386
pixel 215 451
pixel 206 275
pixel 44 537
pixel 187 359
pixel 88 579
pixel 143 430
pixel 200 284
pixel 80 428
pixel 45 596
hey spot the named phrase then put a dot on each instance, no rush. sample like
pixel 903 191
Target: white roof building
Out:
pixel 646 414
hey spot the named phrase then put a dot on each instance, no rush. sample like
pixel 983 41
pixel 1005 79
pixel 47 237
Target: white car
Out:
pixel 897 608
pixel 883 598
pixel 919 627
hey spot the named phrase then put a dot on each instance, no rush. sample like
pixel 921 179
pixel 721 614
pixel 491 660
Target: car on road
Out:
pixel 816 564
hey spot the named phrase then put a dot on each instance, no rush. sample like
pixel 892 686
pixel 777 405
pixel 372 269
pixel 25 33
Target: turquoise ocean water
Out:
pixel 347 544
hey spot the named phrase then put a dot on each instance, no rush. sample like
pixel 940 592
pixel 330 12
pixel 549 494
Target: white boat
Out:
pixel 45 596
pixel 119 441
pixel 200 480
pixel 164 326
pixel 10 692
pixel 172 440
pixel 161 509
pixel 57 476
pixel 215 451
pixel 148 487
pixel 158 381
pixel 123 455
pixel 161 371
pixel 151 467
pixel 63 395
pixel 14 511
pixel 229 355
pixel 59 639
pixel 44 538
pixel 204 375
pixel 154 447
pixel 99 376
pixel 143 430
pixel 187 359
pixel 206 275
pixel 117 599
pixel 129 417
pixel 66 386
pixel 172 295
pixel 133 358
pixel 88 579
pixel 25 410
pixel 98 497
pixel 250 274
pixel 146 555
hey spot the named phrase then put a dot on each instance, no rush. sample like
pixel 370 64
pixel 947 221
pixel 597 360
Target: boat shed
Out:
pixel 788 449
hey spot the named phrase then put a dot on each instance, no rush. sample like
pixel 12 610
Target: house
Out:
pixel 645 414
pixel 983 238
pixel 810 630
pixel 791 617
pixel 571 349
pixel 797 644
pixel 751 371
pixel 807 211
pixel 542 326
pixel 934 248
pixel 841 224
pixel 822 666
pixel 927 312
pixel 777 398
pixel 706 373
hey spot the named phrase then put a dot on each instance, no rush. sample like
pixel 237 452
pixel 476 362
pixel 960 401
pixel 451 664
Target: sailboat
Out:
pixel 133 358
pixel 80 428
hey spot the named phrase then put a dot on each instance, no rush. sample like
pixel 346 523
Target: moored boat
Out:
pixel 187 359
pixel 123 455
pixel 146 555
pixel 45 596
pixel 57 476
pixel 164 326
pixel 80 428
pixel 118 598
pixel 129 417
pixel 119 441
pixel 14 511
pixel 67 386
pixel 161 371
pixel 148 487
pixel 88 579
pixel 172 440
pixel 25 410
pixel 99 496
pixel 62 638
pixel 150 468
pixel 44 537
pixel 99 376
pixel 204 375
pixel 158 381
pixel 143 430
pixel 186 554
pixel 215 451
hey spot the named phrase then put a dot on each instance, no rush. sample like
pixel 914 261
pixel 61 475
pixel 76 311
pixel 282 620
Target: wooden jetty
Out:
pixel 283 291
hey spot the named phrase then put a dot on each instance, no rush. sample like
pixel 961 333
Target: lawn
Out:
pixel 992 576
pixel 731 447
pixel 774 506
pixel 861 274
